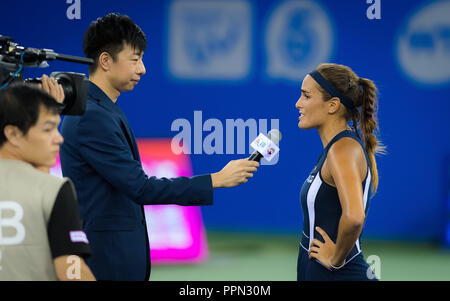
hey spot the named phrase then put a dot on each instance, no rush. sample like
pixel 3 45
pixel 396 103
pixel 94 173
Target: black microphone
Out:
pixel 275 136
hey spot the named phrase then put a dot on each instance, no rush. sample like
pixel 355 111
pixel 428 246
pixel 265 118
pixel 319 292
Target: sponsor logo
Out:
pixel 78 236
pixel 209 40
pixel 299 36
pixel 423 45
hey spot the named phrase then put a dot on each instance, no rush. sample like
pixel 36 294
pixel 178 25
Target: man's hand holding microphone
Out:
pixel 236 172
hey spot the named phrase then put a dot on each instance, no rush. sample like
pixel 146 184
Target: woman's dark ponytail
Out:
pixel 369 124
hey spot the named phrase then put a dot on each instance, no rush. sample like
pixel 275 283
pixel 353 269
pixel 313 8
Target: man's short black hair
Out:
pixel 20 105
pixel 110 34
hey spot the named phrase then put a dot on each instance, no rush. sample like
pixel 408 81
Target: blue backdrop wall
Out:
pixel 246 60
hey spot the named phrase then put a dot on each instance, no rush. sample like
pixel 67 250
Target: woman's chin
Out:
pixel 303 126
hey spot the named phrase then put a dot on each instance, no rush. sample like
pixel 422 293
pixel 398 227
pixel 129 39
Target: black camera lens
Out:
pixel 75 91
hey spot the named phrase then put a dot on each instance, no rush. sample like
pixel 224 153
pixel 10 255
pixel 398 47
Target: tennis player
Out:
pixel 336 195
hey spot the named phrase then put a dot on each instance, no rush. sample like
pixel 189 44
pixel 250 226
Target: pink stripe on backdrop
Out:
pixel 176 233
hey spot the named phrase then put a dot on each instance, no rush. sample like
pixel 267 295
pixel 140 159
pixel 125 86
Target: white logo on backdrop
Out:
pixel 209 40
pixel 423 46
pixel 73 12
pixel 298 37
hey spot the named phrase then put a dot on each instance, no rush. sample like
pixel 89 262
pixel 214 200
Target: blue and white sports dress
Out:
pixel 321 207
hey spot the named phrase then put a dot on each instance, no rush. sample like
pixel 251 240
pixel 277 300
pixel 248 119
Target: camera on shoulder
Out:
pixel 14 58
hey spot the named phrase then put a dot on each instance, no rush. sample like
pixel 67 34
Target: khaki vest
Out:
pixel 27 197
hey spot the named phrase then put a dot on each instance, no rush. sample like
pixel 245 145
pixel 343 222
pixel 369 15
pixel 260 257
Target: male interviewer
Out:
pixel 101 157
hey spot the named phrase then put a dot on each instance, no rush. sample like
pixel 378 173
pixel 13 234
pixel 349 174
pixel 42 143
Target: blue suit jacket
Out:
pixel 101 157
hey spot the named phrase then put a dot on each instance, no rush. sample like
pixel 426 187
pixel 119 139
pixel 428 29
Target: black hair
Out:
pixel 20 105
pixel 110 34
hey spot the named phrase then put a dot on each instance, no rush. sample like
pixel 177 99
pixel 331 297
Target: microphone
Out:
pixel 275 136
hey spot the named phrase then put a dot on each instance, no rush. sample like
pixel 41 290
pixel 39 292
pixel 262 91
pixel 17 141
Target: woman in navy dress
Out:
pixel 336 195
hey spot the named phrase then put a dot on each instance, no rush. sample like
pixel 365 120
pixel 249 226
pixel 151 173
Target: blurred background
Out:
pixel 221 71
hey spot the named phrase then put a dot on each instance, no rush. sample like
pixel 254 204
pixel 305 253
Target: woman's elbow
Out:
pixel 355 221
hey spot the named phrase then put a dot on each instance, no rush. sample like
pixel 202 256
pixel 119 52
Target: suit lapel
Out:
pixel 128 132
pixel 104 101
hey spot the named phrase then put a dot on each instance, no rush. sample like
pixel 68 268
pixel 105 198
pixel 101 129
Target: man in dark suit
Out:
pixel 101 157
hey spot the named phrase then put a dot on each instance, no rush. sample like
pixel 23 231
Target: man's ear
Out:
pixel 104 61
pixel 13 134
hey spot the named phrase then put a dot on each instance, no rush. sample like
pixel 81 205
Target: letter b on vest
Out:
pixel 9 223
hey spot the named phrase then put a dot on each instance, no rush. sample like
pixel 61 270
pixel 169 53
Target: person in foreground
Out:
pixel 101 157
pixel 335 197
pixel 40 231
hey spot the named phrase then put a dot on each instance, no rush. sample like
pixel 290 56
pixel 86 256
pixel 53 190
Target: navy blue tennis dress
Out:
pixel 321 207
